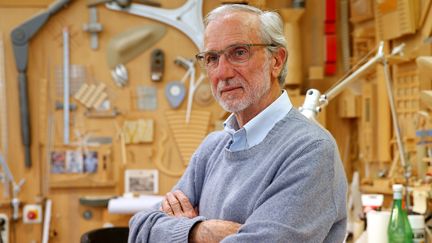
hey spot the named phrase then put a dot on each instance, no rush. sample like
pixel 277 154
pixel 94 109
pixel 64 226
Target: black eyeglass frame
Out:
pixel 200 56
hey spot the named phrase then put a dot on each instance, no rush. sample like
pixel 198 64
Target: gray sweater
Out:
pixel 289 188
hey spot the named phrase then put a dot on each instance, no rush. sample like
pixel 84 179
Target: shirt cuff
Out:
pixel 182 229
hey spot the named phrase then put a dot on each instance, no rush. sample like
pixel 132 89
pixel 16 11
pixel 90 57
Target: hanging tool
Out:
pixel 93 27
pixel 187 18
pixel 175 91
pixel 16 188
pixel 47 221
pixel 190 65
pixel 128 45
pixel 157 60
pixel 20 37
pixel 292 17
pixel 66 82
pixel 123 3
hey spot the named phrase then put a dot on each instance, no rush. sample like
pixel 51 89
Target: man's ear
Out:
pixel 278 61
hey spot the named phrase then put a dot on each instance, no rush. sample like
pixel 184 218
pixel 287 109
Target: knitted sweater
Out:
pixel 291 187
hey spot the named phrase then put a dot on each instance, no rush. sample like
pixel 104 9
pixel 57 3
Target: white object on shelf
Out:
pixel 131 205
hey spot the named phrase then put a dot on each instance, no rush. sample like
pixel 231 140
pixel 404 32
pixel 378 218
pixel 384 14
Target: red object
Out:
pixel 31 215
pixel 330 27
pixel 330 38
pixel 330 68
pixel 331 51
pixel 331 10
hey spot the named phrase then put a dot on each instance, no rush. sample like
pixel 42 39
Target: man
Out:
pixel 271 175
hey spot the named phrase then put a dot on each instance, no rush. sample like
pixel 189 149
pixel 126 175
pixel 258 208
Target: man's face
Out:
pixel 237 86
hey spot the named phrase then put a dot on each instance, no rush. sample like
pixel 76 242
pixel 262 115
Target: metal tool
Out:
pixel 93 27
pixel 47 221
pixel 66 81
pixel 128 45
pixel 120 75
pixel 123 3
pixel 16 188
pixel 187 18
pixel 190 65
pixel 20 37
pixel 157 60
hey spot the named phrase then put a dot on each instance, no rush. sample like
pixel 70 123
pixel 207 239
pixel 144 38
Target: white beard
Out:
pixel 252 93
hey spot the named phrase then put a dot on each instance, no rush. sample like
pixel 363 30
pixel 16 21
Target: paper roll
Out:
pixel 132 205
pixel 377 223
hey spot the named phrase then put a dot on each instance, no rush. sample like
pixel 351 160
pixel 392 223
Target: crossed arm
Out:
pixel 176 204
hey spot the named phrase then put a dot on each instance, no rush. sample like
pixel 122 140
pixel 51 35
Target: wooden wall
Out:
pixel 45 57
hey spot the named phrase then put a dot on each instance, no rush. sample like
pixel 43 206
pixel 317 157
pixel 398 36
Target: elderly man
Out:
pixel 271 175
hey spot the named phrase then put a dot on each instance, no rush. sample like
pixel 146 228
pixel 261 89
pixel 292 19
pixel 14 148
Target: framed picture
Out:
pixel 58 162
pixel 90 161
pixel 74 161
pixel 142 181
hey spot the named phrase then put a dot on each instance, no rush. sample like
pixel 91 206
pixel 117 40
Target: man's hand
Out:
pixel 213 230
pixel 177 204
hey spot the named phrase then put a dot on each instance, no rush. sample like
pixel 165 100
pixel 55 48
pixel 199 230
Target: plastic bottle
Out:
pixel 399 229
pixel 417 223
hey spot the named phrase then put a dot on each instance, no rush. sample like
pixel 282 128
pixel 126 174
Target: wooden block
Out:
pixel 291 16
pixel 99 100
pixel 316 73
pixel 93 98
pixel 397 23
pixel 348 104
pixel 387 6
pixel 82 90
pixel 425 8
pixel 88 94
pixel 139 131
pixel 427 26
pixel 367 143
pixel 361 10
pixel 424 64
pixel 426 98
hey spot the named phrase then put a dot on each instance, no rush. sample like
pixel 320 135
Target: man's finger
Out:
pixel 174 204
pixel 166 207
pixel 184 201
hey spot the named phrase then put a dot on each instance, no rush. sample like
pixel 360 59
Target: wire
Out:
pixel 358 64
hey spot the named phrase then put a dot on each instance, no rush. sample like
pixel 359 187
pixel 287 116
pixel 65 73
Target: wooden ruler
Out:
pixel 3 105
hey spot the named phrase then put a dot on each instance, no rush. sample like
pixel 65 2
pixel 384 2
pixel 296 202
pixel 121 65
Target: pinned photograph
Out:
pixel 74 161
pixel 58 162
pixel 141 181
pixel 90 161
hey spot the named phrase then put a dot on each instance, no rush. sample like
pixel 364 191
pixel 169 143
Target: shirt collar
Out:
pixel 259 126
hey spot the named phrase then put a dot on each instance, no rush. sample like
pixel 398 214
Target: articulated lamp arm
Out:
pixel 314 101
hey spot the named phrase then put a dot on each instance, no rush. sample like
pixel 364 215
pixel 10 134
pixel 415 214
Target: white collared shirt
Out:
pixel 254 131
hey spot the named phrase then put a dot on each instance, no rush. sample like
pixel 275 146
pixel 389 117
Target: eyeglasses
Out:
pixel 235 54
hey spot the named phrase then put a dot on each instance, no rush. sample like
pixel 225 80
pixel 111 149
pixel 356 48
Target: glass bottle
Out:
pixel 399 229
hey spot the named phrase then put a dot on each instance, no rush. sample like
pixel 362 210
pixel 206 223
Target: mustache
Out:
pixel 223 84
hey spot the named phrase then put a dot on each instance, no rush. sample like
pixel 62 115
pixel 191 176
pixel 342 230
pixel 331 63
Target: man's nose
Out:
pixel 224 68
